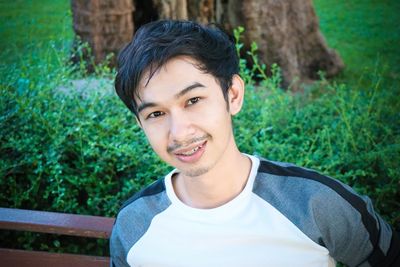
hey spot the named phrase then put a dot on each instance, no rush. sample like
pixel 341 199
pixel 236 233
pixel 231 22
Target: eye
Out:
pixel 193 101
pixel 155 114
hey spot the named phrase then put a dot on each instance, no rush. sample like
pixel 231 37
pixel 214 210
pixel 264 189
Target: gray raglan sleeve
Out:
pixel 132 222
pixel 354 233
pixel 330 213
pixel 118 248
pixel 134 219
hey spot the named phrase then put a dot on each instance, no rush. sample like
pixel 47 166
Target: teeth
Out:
pixel 191 152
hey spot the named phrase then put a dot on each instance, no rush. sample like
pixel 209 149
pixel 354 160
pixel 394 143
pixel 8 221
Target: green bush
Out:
pixel 81 151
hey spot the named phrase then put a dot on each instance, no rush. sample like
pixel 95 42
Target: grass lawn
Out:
pixel 28 26
pixel 367 36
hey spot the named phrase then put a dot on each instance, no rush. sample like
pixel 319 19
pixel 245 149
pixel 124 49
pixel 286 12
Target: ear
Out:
pixel 236 95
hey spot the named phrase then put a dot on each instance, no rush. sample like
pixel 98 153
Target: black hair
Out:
pixel 155 43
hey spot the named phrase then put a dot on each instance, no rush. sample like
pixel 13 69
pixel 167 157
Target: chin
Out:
pixel 195 172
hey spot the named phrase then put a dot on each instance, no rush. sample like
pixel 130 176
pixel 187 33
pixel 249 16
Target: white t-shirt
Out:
pixel 247 231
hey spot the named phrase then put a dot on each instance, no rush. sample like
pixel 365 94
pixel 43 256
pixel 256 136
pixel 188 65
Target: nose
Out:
pixel 181 127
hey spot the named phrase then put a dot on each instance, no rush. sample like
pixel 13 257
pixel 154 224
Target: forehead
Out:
pixel 176 74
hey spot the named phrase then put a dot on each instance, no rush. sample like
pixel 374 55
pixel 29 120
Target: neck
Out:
pixel 216 187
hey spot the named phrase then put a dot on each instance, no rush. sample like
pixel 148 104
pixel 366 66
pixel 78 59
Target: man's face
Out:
pixel 185 117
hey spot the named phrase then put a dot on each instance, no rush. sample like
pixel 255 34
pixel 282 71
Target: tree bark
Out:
pixel 202 11
pixel 105 25
pixel 287 33
pixel 171 9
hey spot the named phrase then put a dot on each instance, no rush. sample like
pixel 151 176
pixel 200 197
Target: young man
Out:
pixel 221 207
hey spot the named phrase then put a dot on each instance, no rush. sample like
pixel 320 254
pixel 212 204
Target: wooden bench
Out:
pixel 53 223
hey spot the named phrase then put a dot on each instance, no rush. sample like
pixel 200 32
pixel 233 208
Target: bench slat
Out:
pixel 22 258
pixel 56 223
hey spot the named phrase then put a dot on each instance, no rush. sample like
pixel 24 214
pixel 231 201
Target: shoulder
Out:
pixel 144 205
pixel 328 211
pixel 135 216
pixel 290 178
pixel 151 191
pixel 308 189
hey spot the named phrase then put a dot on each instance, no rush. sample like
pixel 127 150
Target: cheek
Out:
pixel 156 138
pixel 215 116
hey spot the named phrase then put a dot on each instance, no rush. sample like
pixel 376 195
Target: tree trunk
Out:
pixel 287 31
pixel 105 25
pixel 171 9
pixel 202 11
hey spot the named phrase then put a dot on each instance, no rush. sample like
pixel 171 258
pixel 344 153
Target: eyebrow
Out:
pixel 183 92
pixel 188 89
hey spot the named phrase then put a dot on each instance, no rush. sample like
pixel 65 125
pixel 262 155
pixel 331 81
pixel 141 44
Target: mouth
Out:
pixel 191 155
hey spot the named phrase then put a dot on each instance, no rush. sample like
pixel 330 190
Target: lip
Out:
pixel 193 157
